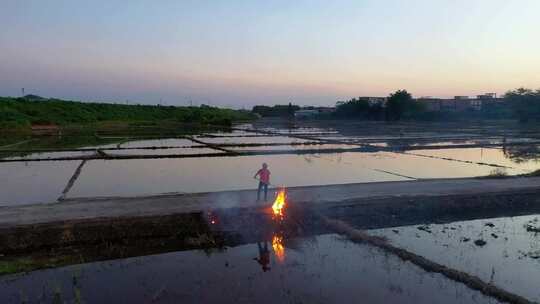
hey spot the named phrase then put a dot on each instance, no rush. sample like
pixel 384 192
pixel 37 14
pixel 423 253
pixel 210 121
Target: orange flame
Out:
pixel 279 203
pixel 279 249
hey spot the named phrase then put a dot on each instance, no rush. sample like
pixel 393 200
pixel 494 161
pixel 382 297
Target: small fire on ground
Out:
pixel 278 207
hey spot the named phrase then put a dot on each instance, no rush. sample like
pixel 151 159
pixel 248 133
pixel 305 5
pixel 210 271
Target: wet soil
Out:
pixel 107 238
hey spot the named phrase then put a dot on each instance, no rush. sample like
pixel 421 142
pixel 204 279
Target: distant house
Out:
pixel 305 113
pixel 310 112
pixel 461 103
pixel 327 110
pixel 46 129
pixel 432 104
pixel 487 96
pixel 31 97
pixel 476 104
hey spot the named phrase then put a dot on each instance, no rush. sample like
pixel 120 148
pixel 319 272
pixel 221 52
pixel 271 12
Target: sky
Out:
pixel 241 53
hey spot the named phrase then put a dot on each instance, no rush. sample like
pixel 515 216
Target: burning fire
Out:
pixel 279 249
pixel 279 203
pixel 212 218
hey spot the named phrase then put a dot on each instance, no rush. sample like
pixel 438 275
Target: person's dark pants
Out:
pixel 261 186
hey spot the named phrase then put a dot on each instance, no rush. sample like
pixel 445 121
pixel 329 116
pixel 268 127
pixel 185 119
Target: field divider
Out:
pixel 16 144
pixel 212 146
pixel 72 180
pixel 265 135
pixel 227 152
pixel 457 160
pixel 271 133
pixel 373 169
pixel 198 155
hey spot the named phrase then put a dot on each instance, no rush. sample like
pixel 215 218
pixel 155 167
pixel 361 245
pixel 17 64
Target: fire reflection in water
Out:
pixel 264 253
pixel 279 249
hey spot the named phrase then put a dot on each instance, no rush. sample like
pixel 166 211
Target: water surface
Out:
pixel 322 269
pixel 34 182
pixel 509 257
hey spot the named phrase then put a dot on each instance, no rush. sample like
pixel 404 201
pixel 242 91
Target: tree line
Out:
pixel 23 112
pixel 399 105
pixel 525 103
pixel 522 104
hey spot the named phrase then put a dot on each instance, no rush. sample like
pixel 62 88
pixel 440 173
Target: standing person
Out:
pixel 264 181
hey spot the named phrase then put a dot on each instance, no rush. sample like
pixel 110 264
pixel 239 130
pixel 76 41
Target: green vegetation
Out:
pixel 26 264
pixel 498 173
pixel 359 108
pixel 23 112
pixel 534 173
pixel 522 104
pixel 399 105
pixel 525 103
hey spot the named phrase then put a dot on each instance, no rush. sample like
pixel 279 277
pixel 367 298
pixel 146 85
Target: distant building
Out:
pixel 33 97
pixel 432 104
pixel 45 129
pixel 327 110
pixel 313 111
pixel 305 113
pixel 449 105
pixel 476 104
pixel 461 103
pixel 487 96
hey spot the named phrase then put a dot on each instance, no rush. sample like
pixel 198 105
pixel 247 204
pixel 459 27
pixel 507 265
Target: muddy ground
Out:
pixel 73 241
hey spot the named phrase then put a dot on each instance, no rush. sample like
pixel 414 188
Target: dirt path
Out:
pixel 332 195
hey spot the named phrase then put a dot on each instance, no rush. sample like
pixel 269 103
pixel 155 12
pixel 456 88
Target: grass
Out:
pixel 498 173
pixel 27 264
pixel 534 173
pixel 21 113
pixel 501 173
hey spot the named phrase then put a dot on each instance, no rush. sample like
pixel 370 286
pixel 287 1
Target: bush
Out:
pixel 498 173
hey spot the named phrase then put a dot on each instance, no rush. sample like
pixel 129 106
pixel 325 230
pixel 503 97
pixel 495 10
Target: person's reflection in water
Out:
pixel 264 256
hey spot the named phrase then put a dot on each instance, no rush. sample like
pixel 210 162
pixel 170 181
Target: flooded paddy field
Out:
pixel 496 156
pixel 306 155
pixel 27 183
pixel 503 251
pixel 192 175
pixel 212 174
pixel 162 151
pixel 296 146
pixel 320 269
pixel 253 139
pixel 491 239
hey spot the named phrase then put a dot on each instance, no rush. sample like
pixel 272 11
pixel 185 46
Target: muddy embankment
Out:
pixel 29 247
pixel 412 210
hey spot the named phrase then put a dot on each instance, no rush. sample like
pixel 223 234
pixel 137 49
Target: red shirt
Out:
pixel 264 175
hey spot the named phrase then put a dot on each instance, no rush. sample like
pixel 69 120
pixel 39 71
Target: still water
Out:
pixel 34 182
pixel 321 269
pixel 43 182
pixel 509 257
